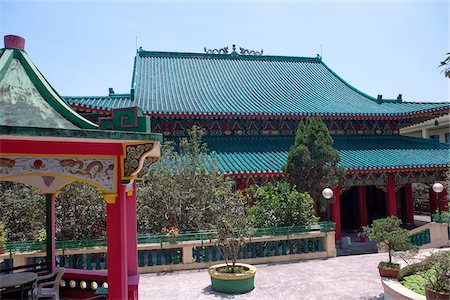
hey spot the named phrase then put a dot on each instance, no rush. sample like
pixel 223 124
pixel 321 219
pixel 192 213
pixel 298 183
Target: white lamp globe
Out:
pixel 327 193
pixel 438 187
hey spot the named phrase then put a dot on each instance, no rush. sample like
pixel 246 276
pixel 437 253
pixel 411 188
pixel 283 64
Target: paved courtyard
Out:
pixel 346 277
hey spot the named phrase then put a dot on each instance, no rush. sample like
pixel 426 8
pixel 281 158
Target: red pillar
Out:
pixel 336 212
pixel 116 236
pixel 409 204
pixel 362 206
pixel 433 201
pixel 391 199
pixel 132 252
pixel 50 229
pixel 444 200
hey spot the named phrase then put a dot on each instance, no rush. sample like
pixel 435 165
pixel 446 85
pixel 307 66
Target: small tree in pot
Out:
pixel 232 228
pixel 388 234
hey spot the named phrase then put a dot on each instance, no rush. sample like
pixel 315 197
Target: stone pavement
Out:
pixel 346 277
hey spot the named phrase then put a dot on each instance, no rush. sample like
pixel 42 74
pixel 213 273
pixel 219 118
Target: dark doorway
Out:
pixel 376 203
pixel 349 209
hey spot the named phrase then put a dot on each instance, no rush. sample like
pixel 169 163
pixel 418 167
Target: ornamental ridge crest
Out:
pixel 242 51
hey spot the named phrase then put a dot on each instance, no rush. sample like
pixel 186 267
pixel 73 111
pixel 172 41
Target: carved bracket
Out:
pixel 138 158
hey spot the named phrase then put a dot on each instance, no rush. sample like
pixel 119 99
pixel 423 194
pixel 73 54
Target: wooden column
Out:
pixel 50 230
pixel 132 252
pixel 433 201
pixel 116 236
pixel 391 199
pixel 336 212
pixel 409 204
pixel 362 206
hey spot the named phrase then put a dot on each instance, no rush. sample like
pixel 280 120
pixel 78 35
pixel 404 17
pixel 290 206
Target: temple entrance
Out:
pixel 376 203
pixel 349 209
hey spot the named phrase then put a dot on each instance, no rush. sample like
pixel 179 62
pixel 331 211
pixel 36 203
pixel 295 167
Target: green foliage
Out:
pixel 3 237
pixel 22 210
pixel 386 265
pixel 80 212
pixel 41 236
pixel 433 272
pixel 439 279
pixel 280 205
pixel 445 64
pixel 179 190
pixel 231 224
pixel 415 283
pixel 388 233
pixel 312 162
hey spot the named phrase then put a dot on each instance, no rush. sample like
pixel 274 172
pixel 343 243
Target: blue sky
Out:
pixel 379 47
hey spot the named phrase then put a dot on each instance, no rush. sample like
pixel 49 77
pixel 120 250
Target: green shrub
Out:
pixel 280 205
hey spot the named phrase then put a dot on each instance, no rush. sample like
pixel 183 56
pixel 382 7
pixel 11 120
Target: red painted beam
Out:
pixel 59 147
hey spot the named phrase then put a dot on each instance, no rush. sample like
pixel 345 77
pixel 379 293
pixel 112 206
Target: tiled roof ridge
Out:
pixel 145 53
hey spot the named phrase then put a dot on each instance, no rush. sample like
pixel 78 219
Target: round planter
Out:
pixel 433 295
pixel 229 283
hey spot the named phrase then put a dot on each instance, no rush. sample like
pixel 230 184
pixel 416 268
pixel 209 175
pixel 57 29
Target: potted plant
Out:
pixel 437 285
pixel 41 237
pixel 171 233
pixel 232 228
pixel 389 235
pixel 3 238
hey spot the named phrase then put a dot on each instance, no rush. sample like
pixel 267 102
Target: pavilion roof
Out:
pixel 28 99
pixel 30 106
pixel 265 155
pixel 194 84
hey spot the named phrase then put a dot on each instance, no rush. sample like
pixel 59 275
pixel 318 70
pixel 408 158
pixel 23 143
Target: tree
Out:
pixel 446 65
pixel 231 223
pixel 22 210
pixel 387 232
pixel 312 162
pixel 80 212
pixel 179 190
pixel 280 205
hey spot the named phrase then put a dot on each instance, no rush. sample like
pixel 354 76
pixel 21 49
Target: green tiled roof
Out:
pixel 243 155
pixel 27 99
pixel 218 84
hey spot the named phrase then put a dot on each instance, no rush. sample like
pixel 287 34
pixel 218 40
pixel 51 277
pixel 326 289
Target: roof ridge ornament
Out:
pixel 250 52
pixel 224 50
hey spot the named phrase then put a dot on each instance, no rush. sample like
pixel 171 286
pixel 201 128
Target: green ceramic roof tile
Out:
pixel 192 83
pixel 27 99
pixel 268 154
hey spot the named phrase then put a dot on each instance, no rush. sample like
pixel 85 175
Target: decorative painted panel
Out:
pixel 99 171
pixel 357 179
pixel 235 126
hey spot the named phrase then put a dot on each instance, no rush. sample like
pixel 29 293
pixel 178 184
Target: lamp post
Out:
pixel 327 193
pixel 438 188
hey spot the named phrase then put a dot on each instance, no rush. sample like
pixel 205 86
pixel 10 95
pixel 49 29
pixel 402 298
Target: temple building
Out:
pixel 251 104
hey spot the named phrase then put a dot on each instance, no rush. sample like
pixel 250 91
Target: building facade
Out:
pixel 250 105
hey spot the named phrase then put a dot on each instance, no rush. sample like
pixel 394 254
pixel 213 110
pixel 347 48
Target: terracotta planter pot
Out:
pixel 2 250
pixel 387 272
pixel 433 295
pixel 229 283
